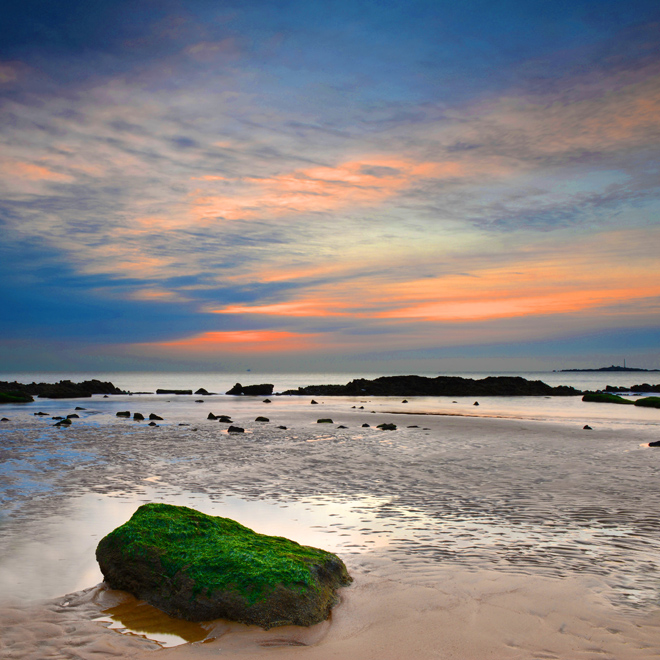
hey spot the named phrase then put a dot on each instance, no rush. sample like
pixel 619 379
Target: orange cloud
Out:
pixel 32 172
pixel 243 341
pixel 364 182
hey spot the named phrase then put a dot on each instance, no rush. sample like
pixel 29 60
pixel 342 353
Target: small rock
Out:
pixel 224 419
pixel 73 416
pixel 586 427
pixel 476 403
pixel 261 419
pixel 235 429
pixel 342 427
pixel 352 406
pixel 202 391
pixel 124 413
pixel 656 443
pixel 199 401
pixel 152 424
pixel 105 396
pixel 366 426
pixel 413 426
pixel 267 401
pixel 387 427
pixel 4 419
pixel 153 416
pixel 282 427
pixel 57 417
pixel 361 408
pixel 41 414
pixel 138 417
pixel 211 416
pixel 63 422
pixel 79 408
pixel 405 401
pixel 324 421
pixel 182 424
pixel 314 403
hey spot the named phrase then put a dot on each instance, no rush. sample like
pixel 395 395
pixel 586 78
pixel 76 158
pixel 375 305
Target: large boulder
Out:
pixel 264 389
pixel 200 567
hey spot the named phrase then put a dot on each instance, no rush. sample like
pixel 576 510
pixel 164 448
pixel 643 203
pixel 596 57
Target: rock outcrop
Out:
pixel 199 567
pixel 65 389
pixel 265 389
pixel 440 386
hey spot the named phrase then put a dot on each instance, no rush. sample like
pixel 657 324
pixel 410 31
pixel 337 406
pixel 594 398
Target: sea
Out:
pixel 143 385
pixel 560 503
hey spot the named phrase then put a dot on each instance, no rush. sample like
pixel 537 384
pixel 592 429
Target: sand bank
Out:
pixel 467 537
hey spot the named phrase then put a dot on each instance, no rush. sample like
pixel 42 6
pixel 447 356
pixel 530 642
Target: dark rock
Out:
pixel 413 426
pixel 224 419
pixel 79 408
pixel 152 424
pixel 211 416
pixel 202 391
pixel 262 419
pixel 387 427
pixel 586 427
pixel 265 389
pixel 199 401
pixel 123 413
pixel 405 386
pixel 604 397
pixel 314 403
pixel 342 427
pixel 235 429
pixel 282 427
pixel 153 416
pixel 649 402
pixel 73 416
pixel 63 422
pixel 15 397
pixel 476 403
pixel 159 391
pixel 324 421
pixel 138 417
pixel 405 401
pixel 4 419
pixel 267 401
pixel 361 408
pixel 366 426
pixel 41 414
pixel 105 396
pixel 65 389
pixel 655 443
pixel 57 417
pixel 199 567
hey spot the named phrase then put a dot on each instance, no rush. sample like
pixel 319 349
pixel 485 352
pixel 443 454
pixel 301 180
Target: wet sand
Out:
pixel 467 537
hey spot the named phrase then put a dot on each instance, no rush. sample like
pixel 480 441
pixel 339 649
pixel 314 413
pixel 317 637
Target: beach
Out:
pixel 469 534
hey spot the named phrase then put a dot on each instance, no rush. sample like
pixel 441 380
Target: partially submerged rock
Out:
pixel 15 397
pixel 251 390
pixel 604 397
pixel 199 567
pixel 649 402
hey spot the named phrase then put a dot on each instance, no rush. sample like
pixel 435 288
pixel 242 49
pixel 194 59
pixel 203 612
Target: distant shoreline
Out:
pixel 612 368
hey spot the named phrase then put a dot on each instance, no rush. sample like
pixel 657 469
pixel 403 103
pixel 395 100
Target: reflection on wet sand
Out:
pixel 131 614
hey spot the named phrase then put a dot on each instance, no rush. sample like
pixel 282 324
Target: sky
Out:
pixel 361 185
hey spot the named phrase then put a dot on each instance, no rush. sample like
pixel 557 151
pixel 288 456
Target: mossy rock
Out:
pixel 200 567
pixel 649 402
pixel 603 397
pixel 15 397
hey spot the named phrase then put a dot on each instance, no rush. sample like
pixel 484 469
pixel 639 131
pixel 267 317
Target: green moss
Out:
pixel 216 553
pixel 15 397
pixel 649 402
pixel 604 397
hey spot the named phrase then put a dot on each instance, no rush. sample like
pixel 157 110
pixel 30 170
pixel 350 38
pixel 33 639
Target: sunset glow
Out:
pixel 369 183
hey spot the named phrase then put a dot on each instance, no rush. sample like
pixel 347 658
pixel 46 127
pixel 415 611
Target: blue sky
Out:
pixel 300 185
